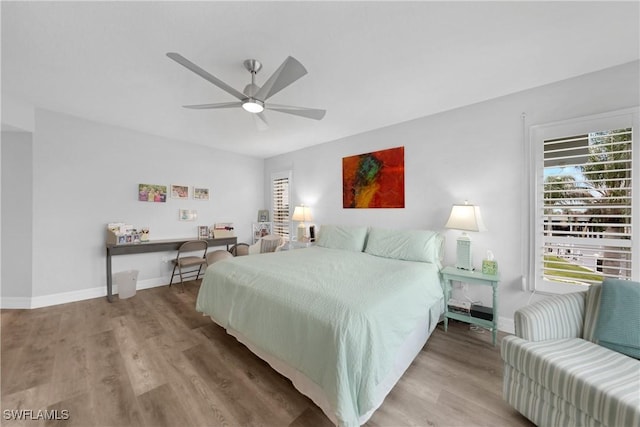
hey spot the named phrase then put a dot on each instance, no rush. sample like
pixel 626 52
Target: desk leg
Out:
pixel 109 278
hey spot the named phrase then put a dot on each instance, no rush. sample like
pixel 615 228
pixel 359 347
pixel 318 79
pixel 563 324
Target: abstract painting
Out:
pixel 374 180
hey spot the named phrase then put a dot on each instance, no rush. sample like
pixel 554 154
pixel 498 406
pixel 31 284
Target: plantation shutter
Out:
pixel 586 207
pixel 280 204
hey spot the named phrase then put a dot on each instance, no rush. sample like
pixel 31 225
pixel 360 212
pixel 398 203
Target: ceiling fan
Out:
pixel 253 98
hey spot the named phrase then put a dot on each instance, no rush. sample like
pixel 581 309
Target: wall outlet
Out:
pixel 524 284
pixel 165 259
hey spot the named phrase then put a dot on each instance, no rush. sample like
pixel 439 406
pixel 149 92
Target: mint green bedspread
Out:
pixel 337 316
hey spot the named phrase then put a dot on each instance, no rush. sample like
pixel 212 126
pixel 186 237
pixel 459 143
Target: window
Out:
pixel 280 196
pixel 585 215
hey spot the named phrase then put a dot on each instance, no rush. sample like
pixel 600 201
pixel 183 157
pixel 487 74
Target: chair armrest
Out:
pixel 557 317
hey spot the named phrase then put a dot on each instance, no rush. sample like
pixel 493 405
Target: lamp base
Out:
pixel 302 232
pixel 464 261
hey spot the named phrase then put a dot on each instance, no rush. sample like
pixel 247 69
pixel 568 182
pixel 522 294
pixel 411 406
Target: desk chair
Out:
pixel 218 255
pixel 239 249
pixel 190 254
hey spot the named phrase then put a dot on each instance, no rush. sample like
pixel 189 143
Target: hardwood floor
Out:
pixel 152 360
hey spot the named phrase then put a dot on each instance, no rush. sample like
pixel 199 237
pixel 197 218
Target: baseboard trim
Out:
pixel 73 296
pixel 15 302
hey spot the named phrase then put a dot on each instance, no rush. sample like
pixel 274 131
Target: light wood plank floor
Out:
pixel 152 360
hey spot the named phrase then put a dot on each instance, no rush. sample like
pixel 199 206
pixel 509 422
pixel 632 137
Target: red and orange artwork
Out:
pixel 374 180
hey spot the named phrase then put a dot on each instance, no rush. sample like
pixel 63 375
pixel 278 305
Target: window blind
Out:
pixel 587 207
pixel 280 204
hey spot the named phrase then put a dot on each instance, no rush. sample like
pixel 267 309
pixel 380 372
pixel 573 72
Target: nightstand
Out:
pixel 450 274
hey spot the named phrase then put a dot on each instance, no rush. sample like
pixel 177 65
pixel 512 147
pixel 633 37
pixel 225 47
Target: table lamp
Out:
pixel 302 214
pixel 466 218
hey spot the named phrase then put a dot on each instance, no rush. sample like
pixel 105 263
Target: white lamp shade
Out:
pixel 465 217
pixel 302 213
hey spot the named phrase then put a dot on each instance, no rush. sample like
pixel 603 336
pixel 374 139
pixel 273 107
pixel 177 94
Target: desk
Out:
pixel 154 246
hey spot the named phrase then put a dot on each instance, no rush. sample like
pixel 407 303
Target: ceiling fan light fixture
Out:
pixel 253 105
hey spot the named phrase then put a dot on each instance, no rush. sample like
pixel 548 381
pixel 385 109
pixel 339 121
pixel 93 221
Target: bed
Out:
pixel 342 320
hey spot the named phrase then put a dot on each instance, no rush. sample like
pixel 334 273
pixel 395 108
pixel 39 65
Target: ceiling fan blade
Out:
pixel 211 106
pixel 261 121
pixel 205 75
pixel 309 113
pixel 290 71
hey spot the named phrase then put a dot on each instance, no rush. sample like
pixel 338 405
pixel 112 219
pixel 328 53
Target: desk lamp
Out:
pixel 466 218
pixel 302 214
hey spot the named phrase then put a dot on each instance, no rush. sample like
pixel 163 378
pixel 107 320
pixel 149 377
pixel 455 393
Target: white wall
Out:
pixel 86 174
pixel 17 115
pixel 473 153
pixel 16 217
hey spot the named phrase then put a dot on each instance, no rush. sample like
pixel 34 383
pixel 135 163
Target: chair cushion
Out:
pixel 598 381
pixel 189 261
pixel 618 325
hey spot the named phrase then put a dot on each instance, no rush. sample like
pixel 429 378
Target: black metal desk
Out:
pixel 154 246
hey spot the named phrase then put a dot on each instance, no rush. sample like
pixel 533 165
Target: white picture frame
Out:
pixel 200 193
pixel 187 215
pixel 179 191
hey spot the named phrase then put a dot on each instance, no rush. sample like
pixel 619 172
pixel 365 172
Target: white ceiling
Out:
pixel 371 64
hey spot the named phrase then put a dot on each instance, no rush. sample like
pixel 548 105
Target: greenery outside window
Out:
pixel 585 207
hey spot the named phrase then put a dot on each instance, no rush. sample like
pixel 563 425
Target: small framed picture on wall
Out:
pixel 152 193
pixel 179 191
pixel 187 215
pixel 200 193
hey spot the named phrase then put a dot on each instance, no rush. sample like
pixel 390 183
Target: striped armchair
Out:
pixel 556 375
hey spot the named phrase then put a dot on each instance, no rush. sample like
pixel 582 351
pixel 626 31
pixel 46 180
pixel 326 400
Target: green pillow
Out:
pixel 618 324
pixel 408 245
pixel 342 237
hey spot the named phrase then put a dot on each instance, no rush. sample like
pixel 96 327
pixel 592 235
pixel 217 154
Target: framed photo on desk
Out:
pixel 203 232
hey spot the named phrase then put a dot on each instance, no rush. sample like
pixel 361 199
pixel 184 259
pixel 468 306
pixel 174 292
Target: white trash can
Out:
pixel 126 282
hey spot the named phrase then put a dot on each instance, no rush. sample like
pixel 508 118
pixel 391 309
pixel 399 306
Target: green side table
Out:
pixel 450 274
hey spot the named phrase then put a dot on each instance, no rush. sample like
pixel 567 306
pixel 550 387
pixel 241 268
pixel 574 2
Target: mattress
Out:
pixel 338 318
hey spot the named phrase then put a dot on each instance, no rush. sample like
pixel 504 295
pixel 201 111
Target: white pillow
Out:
pixel 408 245
pixel 342 237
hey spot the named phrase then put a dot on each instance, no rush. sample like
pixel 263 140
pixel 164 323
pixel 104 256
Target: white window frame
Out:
pixel 628 118
pixel 275 176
